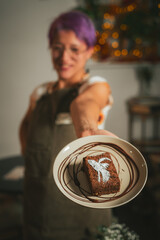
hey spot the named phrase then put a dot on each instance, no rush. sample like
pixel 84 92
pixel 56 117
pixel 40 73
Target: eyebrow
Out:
pixel 72 45
pixel 57 43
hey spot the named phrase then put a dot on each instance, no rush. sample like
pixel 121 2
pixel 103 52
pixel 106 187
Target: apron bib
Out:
pixel 48 214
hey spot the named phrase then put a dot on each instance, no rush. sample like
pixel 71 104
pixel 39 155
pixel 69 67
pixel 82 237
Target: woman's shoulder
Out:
pixel 42 89
pixel 90 81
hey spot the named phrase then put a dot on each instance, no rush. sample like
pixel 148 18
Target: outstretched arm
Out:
pixel 85 109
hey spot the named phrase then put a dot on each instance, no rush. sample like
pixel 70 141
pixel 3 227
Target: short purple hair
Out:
pixel 76 21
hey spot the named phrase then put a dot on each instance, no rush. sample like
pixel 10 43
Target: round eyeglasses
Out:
pixel 58 50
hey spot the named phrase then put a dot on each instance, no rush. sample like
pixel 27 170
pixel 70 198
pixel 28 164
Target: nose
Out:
pixel 65 55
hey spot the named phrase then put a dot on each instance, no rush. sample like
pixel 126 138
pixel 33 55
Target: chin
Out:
pixel 65 77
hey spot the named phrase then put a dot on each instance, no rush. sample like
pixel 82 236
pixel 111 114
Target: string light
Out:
pixel 104 35
pixel 115 44
pixel 124 52
pixel 115 35
pixel 106 15
pixel 117 53
pixel 106 25
pixel 137 53
pixel 102 41
pixel 129 8
pixel 97 48
pixel 111 41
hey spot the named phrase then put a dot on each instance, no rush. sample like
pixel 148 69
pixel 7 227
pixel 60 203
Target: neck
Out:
pixel 63 83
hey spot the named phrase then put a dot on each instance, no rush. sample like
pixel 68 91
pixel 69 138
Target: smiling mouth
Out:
pixel 64 66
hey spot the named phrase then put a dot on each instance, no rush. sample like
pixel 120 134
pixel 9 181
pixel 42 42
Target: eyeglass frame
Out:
pixel 62 49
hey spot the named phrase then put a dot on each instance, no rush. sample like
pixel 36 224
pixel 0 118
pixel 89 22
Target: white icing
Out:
pixel 101 168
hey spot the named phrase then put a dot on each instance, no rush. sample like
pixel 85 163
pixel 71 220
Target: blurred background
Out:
pixel 127 54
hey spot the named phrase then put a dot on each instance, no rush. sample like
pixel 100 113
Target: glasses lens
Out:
pixel 59 50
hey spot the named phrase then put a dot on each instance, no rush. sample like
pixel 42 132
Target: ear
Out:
pixel 90 52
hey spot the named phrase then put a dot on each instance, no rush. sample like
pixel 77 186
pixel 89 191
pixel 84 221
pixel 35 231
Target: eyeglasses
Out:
pixel 58 50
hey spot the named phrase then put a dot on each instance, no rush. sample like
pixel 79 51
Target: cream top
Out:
pixel 65 118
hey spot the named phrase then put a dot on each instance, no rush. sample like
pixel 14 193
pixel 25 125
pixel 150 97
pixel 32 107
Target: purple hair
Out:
pixel 76 21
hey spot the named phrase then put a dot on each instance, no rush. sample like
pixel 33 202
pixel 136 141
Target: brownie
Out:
pixel 101 174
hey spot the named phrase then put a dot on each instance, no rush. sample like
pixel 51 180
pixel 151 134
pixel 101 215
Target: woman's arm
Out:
pixel 85 109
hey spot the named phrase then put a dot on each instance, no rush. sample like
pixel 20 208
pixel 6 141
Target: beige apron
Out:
pixel 48 214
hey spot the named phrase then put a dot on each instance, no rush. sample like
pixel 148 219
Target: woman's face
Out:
pixel 69 56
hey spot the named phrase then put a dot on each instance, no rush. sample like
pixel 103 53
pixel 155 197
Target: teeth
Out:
pixel 65 65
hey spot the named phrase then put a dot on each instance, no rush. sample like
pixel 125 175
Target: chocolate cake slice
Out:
pixel 101 174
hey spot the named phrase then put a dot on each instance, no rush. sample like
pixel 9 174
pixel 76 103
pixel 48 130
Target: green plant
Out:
pixel 144 75
pixel 115 231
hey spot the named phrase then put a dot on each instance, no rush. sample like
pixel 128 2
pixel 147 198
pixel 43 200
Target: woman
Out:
pixel 58 113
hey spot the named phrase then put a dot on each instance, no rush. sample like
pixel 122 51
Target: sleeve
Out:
pixel 91 81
